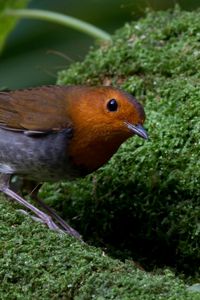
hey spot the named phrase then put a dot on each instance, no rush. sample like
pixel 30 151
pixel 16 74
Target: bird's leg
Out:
pixel 4 188
pixel 53 214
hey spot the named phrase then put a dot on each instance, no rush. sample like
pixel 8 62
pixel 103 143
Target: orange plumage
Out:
pixel 99 132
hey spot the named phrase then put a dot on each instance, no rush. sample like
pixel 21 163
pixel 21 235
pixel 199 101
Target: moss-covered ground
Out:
pixel 144 205
pixel 146 201
pixel 39 264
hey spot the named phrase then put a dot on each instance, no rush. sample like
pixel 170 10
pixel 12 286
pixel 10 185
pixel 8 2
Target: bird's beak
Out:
pixel 138 129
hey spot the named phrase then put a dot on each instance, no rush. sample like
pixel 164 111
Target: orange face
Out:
pixel 102 119
pixel 105 111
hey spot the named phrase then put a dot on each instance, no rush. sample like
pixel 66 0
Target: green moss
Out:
pixel 40 264
pixel 144 204
pixel 148 196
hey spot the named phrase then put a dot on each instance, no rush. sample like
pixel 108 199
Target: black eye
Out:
pixel 112 105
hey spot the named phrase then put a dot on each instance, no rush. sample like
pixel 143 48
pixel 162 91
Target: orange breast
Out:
pixel 90 156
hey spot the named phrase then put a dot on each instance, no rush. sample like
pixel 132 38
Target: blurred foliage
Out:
pixel 36 50
pixel 7 23
pixel 145 203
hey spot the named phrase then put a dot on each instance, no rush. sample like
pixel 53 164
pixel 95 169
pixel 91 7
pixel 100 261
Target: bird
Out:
pixel 62 132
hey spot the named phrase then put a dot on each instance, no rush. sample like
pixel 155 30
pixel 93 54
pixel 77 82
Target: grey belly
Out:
pixel 40 157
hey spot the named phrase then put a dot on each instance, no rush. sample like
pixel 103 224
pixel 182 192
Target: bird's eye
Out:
pixel 112 105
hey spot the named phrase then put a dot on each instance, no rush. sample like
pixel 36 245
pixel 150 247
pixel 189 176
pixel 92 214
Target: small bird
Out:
pixel 54 133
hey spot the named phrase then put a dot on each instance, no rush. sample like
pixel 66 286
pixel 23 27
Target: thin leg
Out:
pixel 53 214
pixel 4 187
pixel 45 218
pixel 64 225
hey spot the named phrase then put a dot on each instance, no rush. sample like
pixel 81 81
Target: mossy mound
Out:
pixel 39 264
pixel 145 203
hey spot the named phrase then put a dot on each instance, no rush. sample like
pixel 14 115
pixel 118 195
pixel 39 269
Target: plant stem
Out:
pixel 60 19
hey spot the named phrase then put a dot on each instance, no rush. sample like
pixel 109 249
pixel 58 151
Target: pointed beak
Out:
pixel 138 129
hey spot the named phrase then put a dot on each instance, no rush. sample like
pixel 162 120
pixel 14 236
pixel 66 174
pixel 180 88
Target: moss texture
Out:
pixel 144 204
pixel 40 264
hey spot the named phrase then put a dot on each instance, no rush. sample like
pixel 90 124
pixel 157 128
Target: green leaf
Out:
pixel 8 22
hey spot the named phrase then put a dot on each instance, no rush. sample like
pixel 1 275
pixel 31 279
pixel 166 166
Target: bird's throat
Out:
pixel 88 157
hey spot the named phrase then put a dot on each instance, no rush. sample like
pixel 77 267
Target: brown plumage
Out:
pixel 41 108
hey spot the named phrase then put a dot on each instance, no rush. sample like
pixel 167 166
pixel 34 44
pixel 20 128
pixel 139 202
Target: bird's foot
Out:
pixel 43 217
pixel 64 228
pixel 63 225
pixel 47 220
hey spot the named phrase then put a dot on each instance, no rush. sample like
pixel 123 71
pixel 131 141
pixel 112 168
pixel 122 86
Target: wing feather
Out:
pixel 37 109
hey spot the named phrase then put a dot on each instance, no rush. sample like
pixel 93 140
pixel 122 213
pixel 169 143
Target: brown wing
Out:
pixel 41 109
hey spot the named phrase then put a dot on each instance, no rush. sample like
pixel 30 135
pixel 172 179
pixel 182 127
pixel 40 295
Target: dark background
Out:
pixel 36 50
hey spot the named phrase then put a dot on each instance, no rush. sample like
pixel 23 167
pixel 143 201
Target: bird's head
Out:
pixel 103 118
